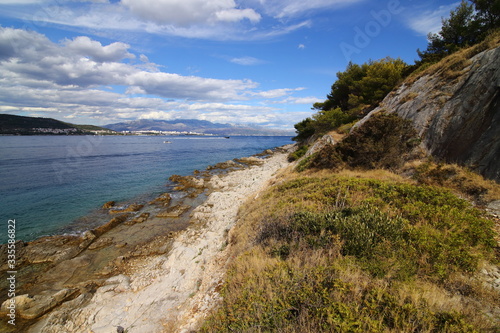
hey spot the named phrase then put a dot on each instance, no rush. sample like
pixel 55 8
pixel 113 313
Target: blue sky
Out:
pixel 261 62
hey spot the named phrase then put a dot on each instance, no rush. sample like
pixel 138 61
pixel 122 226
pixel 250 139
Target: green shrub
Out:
pixel 425 221
pixel 305 163
pixel 309 299
pixel 384 141
pixel 301 151
pixel 342 254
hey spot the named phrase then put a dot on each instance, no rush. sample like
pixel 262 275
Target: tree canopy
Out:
pixel 357 89
pixel 467 25
pixel 360 88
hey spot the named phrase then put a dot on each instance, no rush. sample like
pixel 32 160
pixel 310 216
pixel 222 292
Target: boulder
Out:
pixel 162 200
pixel 139 219
pixel 32 307
pixel 326 140
pixel 187 182
pixel 108 205
pixel 252 160
pixel 224 165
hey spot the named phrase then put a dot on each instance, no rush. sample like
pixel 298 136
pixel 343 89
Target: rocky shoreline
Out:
pixel 151 268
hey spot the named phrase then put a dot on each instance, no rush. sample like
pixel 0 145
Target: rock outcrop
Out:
pixel 456 110
pixel 326 140
pixel 166 284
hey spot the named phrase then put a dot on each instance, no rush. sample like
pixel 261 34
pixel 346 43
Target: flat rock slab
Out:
pixel 174 211
pixel 31 307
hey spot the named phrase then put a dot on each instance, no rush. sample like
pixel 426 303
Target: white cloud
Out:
pixel 214 20
pixel 30 58
pixel 187 87
pixel 310 100
pixel 235 15
pixel 429 21
pixel 20 2
pixel 86 47
pixel 294 8
pixel 276 93
pixel 189 12
pixel 72 80
pixel 247 61
pixel 301 46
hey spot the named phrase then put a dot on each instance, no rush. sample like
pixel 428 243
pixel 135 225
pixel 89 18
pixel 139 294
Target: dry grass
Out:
pixel 366 251
pixel 378 174
pixel 461 180
pixel 307 283
pixel 337 136
pixel 456 64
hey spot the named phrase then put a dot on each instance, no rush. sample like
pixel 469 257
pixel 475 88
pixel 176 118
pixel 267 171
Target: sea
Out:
pixel 48 183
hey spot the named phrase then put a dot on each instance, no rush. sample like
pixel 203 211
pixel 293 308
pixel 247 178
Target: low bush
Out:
pixel 384 141
pixel 328 253
pixel 460 179
pixel 301 151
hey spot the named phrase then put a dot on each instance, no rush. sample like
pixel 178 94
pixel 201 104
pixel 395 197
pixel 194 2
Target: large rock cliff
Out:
pixel 455 107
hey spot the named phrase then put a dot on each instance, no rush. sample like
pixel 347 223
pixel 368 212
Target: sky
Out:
pixel 253 62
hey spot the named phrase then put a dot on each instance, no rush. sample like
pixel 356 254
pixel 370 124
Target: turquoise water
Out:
pixel 47 182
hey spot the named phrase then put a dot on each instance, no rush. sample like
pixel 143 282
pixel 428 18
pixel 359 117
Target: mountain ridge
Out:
pixel 194 125
pixel 22 125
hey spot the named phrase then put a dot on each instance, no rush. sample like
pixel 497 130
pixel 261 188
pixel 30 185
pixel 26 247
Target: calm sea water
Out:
pixel 46 182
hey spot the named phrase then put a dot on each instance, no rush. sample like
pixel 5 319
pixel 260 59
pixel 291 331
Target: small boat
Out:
pixel 167 141
pixel 227 137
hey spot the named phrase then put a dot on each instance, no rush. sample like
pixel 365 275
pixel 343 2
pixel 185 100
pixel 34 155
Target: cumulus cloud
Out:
pixel 84 46
pixel 187 87
pixel 215 19
pixel 235 15
pixel 30 58
pixel 189 12
pixel 82 78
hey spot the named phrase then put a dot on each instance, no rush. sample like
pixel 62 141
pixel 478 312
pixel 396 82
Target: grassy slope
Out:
pixel 366 251
pixel 359 252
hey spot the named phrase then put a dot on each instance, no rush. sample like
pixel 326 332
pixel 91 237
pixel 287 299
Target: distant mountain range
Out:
pixel 194 125
pixel 20 125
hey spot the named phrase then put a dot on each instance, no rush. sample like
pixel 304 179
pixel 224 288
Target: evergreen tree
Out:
pixel 459 30
pixel 488 13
